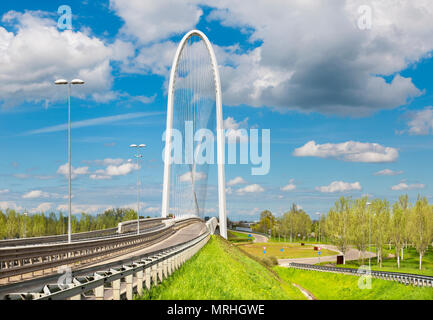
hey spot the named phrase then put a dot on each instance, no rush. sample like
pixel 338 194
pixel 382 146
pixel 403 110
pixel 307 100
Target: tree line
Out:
pixel 15 224
pixel 358 223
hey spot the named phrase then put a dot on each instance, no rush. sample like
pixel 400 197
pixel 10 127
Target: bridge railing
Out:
pixel 122 228
pixel 18 261
pixel 405 278
pixel 123 281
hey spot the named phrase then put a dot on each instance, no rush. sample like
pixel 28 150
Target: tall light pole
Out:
pixel 69 83
pixel 137 155
pixel 369 235
pixel 320 218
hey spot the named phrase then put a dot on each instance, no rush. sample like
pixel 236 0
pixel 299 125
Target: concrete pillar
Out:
pixel 140 276
pixel 129 290
pixel 147 277
pixel 160 270
pixel 165 268
pixel 169 265
pixel 155 274
pixel 99 293
pixel 116 289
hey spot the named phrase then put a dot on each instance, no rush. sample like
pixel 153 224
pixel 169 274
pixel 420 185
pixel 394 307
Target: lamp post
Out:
pixel 137 155
pixel 320 218
pixel 69 83
pixel 369 235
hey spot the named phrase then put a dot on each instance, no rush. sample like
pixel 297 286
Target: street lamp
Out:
pixel 138 156
pixel 69 83
pixel 369 235
pixel 320 218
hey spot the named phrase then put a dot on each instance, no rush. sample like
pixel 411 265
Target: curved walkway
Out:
pixel 351 254
pixel 258 238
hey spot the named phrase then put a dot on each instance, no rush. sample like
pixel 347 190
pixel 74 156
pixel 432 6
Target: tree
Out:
pixel 359 226
pixel 398 225
pixel 420 220
pixel 381 226
pixel 337 227
pixel 266 222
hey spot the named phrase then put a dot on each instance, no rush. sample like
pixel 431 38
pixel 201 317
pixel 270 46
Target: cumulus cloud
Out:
pixel 340 186
pixel 235 181
pixel 10 205
pixel 86 208
pixel 294 73
pixel 113 170
pixel 37 53
pixel 43 207
pixel 236 130
pixel 404 186
pixel 3 191
pixel 388 172
pixel 64 170
pixel 290 187
pixel 421 122
pixel 35 194
pixel 349 151
pixel 187 177
pixel 252 188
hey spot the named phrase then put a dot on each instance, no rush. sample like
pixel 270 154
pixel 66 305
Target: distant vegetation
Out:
pixel 234 236
pixel 221 271
pixel 401 226
pixel 334 286
pixel 17 225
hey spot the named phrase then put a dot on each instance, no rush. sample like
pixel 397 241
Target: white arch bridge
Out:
pixel 118 262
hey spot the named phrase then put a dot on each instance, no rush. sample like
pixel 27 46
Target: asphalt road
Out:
pixel 36 283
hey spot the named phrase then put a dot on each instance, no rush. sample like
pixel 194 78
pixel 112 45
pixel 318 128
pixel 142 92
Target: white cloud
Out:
pixel 340 186
pixel 236 131
pixel 152 209
pixel 10 205
pixel 187 177
pixel 151 21
pixel 43 207
pixel 405 186
pixel 235 181
pixel 121 170
pixel 64 170
pixel 93 122
pixel 3 191
pixel 86 208
pixel 252 188
pixel 349 151
pixel 388 172
pixel 34 194
pixel 38 53
pixel 421 122
pixel 290 187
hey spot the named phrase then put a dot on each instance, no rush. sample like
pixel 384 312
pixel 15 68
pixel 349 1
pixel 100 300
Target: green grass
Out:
pixel 234 236
pixel 290 250
pixel 222 271
pixel 410 263
pixel 333 286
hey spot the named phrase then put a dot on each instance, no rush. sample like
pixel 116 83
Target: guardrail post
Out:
pixel 164 268
pixel 140 282
pixel 116 289
pixel 99 293
pixel 129 290
pixel 147 277
pixel 160 267
pixel 154 274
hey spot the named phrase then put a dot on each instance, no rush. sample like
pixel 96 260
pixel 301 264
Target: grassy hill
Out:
pixel 221 271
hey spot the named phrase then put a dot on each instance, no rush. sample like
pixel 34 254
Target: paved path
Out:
pixel 351 254
pixel 258 238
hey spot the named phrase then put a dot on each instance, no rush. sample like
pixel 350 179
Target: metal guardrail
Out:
pixel 122 228
pixel 17 261
pixel 124 281
pixel 405 278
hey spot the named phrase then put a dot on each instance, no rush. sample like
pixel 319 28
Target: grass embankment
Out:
pixel 290 250
pixel 222 271
pixel 410 263
pixel 333 286
pixel 234 236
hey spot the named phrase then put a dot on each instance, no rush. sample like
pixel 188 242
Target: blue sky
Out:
pixel 304 70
